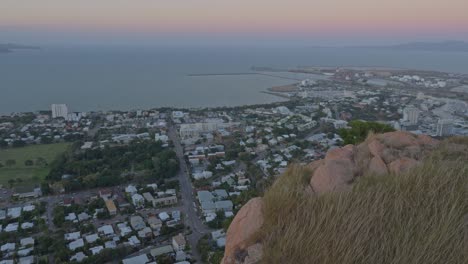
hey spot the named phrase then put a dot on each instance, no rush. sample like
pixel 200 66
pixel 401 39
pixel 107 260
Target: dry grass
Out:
pixel 417 217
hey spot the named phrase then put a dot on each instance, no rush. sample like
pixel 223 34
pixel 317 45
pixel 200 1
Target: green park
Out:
pixel 27 166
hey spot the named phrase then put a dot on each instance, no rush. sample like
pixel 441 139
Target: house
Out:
pixel 105 194
pixel 67 201
pixel 36 192
pixel 107 230
pixel 70 217
pixel 158 251
pixel 111 207
pixel 163 216
pixel 178 242
pixel 124 229
pixel 145 232
pixel 11 227
pixel 14 212
pixel 83 216
pixel 91 238
pixel 137 222
pixel 72 236
pixel 26 260
pixel 175 215
pixel 29 208
pixel 225 205
pixel 78 257
pixel 148 197
pixel 25 252
pixel 8 247
pixel 180 256
pixel 165 201
pixel 141 259
pixel 138 200
pixel 27 225
pixel 220 194
pixel 110 244
pixel 154 186
pixel 172 223
pixel 96 250
pixel 27 241
pixel 221 242
pixel 131 189
pixel 134 241
pixel 205 196
pixel 154 223
pixel 122 202
pixel 162 138
pixel 208 207
pixel 79 243
pixel 217 234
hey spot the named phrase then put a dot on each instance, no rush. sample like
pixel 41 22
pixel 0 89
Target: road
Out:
pixel 188 198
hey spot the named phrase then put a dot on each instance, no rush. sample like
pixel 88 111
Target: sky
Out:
pixel 319 22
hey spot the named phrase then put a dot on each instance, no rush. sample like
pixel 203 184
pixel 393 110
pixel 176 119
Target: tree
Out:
pixel 28 163
pixel 10 163
pixel 18 143
pixel 360 130
pixel 40 161
pixel 46 140
pixel 11 182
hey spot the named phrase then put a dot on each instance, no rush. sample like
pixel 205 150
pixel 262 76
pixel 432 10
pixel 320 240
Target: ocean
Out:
pixel 99 78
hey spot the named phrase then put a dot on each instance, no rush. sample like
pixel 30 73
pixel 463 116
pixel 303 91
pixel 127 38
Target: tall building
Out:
pixel 59 110
pixel 411 115
pixel 444 127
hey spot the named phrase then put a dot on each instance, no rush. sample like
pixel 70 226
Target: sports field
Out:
pixel 14 163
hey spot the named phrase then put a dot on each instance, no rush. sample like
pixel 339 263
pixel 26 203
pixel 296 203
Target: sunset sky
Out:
pixel 316 22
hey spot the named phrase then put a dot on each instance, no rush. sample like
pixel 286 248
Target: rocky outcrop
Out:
pixel 239 245
pixel 393 152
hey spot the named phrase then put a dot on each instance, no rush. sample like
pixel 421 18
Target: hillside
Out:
pixel 406 208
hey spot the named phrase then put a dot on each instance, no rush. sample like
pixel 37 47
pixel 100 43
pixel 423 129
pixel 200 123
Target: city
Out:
pixel 163 185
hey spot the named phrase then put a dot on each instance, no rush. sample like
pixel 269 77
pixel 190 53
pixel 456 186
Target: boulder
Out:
pixel 246 223
pixel 427 141
pixel 345 152
pixel 315 164
pixel 375 147
pixel 398 139
pixel 333 175
pixel 254 254
pixel 377 166
pixel 402 165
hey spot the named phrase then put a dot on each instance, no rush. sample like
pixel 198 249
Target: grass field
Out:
pixel 29 175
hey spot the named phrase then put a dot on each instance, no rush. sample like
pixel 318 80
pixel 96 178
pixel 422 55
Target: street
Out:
pixel 188 198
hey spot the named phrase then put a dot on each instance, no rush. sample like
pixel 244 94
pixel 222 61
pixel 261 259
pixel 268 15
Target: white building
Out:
pixel 162 138
pixel 178 242
pixel 76 244
pixel 411 115
pixel 138 200
pixel 59 110
pixel 444 127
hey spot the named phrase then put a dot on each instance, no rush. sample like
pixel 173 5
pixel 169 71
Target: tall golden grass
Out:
pixel 415 217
